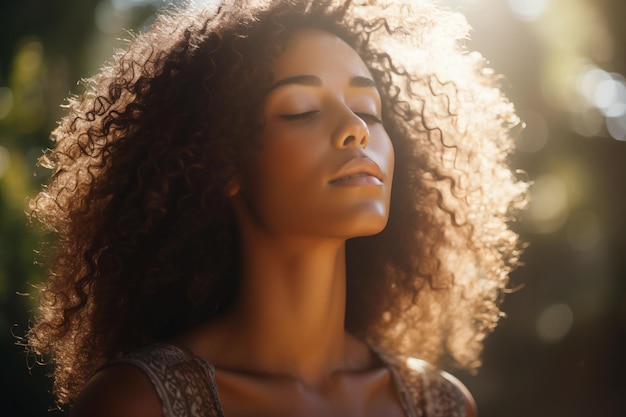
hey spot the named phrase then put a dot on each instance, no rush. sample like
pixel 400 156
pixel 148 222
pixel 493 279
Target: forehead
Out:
pixel 314 51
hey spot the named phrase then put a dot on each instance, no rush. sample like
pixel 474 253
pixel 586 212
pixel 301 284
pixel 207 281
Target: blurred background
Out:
pixel 561 350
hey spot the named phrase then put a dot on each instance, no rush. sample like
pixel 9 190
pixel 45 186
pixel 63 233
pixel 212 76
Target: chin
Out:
pixel 363 220
pixel 368 226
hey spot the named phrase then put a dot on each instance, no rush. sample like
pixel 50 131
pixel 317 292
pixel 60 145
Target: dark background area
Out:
pixel 561 349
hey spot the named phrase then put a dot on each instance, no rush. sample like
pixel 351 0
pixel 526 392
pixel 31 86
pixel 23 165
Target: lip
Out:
pixel 358 171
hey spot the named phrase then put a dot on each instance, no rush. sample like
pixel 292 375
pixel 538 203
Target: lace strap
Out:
pixel 432 391
pixel 184 383
pixel 425 390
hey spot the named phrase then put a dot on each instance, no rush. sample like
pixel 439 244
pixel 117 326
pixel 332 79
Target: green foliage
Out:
pixel 46 47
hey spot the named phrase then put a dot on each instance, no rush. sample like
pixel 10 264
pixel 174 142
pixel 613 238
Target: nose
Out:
pixel 351 131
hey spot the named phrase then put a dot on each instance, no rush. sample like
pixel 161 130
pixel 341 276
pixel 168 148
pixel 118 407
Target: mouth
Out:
pixel 358 171
pixel 355 179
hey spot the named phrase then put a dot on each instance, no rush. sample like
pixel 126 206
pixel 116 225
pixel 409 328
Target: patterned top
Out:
pixel 185 383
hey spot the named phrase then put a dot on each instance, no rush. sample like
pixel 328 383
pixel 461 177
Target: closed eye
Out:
pixel 369 118
pixel 299 116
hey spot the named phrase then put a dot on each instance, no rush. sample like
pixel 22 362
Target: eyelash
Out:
pixel 301 116
pixel 369 117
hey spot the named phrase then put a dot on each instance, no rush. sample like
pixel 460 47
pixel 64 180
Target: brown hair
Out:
pixel 146 241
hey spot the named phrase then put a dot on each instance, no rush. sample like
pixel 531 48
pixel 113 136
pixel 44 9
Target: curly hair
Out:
pixel 146 239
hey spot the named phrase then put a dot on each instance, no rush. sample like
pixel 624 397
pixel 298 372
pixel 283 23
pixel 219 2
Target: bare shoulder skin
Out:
pixel 121 390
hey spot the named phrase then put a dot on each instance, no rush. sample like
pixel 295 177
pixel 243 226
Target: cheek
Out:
pixel 284 171
pixel 290 155
pixel 383 150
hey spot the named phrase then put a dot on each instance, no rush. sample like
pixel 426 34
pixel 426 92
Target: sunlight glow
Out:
pixel 535 135
pixel 461 3
pixel 201 3
pixel 588 81
pixel 109 19
pixel 416 364
pixel 548 207
pixel 617 127
pixel 587 122
pixel 528 10
pixel 128 4
pixel 610 97
pixel 606 93
pixel 554 323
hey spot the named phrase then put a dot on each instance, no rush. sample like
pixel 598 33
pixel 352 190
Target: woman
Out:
pixel 228 242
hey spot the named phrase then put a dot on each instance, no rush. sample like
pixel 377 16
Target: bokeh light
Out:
pixel 588 81
pixel 6 101
pixel 610 96
pixel 585 230
pixel 587 122
pixel 548 208
pixel 604 94
pixel 27 86
pixel 554 323
pixel 125 5
pixel 616 127
pixel 110 19
pixel 528 10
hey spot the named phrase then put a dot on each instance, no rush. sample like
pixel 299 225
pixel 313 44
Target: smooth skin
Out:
pixel 323 175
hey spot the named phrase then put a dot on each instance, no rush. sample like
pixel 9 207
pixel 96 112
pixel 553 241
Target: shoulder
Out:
pixel 155 381
pixel 132 386
pixel 121 390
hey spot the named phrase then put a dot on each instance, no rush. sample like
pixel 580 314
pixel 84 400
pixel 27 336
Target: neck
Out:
pixel 291 306
pixel 289 316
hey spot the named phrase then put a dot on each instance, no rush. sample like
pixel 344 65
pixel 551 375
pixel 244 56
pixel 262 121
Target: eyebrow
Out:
pixel 359 81
pixel 314 81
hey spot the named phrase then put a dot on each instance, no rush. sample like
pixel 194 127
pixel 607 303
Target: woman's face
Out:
pixel 325 165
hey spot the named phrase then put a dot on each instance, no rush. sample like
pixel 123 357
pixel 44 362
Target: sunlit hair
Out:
pixel 146 240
